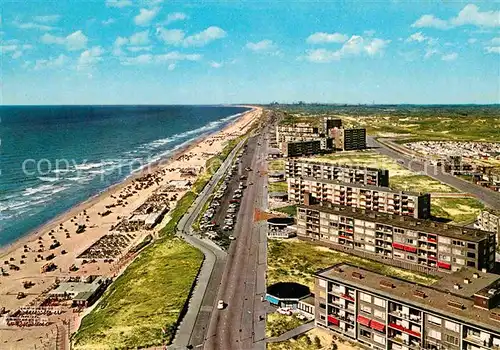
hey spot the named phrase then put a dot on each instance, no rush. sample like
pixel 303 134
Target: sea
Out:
pixel 54 157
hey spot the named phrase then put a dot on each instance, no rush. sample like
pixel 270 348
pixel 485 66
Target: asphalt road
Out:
pixel 488 197
pixel 238 326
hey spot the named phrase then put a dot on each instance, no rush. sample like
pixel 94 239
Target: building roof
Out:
pixel 365 187
pixel 408 222
pixel 288 290
pixel 435 299
pixel 77 289
pixel 309 300
pixel 274 151
pixel 333 164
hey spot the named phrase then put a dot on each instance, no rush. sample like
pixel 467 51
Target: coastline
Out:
pixel 30 236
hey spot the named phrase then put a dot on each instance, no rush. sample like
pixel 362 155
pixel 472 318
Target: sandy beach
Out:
pixel 59 245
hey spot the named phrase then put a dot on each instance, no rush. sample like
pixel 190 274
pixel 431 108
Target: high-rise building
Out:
pixel 350 139
pixel 302 148
pixel 401 241
pixel 338 172
pixel 308 190
pixel 459 312
pixel 293 133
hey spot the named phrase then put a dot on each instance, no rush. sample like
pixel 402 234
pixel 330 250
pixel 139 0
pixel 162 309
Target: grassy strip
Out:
pixel 277 324
pixel 419 183
pixel 196 223
pixel 281 186
pixel 459 210
pixel 296 261
pixel 145 299
pixel 290 210
pixel 276 165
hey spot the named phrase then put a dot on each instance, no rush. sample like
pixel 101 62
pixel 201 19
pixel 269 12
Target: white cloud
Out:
pixel 140 38
pixel 145 16
pixel 170 57
pixel 214 64
pixel 492 49
pixel 59 61
pixel 263 46
pixel 47 18
pixel 356 45
pixel 370 32
pixel 74 41
pixel 175 16
pixel 32 25
pixel 139 48
pixel 108 21
pixel 418 37
pixel 449 57
pixel 376 46
pixel 90 57
pixel 429 21
pixel 322 37
pixel 118 3
pixel 177 56
pixel 14 48
pixel 171 66
pixel 429 52
pixel 151 3
pixel 204 37
pixel 495 41
pixel 469 15
pixel 322 56
pixel 472 40
pixel 138 60
pixel 170 36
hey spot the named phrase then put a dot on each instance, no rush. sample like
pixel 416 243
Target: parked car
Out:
pixel 284 311
pixel 232 238
pixel 220 304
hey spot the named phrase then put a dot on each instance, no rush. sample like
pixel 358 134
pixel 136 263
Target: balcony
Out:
pixel 409 317
pixel 405 330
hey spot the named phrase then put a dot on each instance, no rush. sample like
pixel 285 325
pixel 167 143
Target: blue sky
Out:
pixel 180 52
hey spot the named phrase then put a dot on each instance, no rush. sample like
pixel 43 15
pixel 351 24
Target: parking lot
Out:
pixel 220 218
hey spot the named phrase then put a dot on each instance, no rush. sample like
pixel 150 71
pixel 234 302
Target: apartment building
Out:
pixel 331 123
pixel 350 139
pixel 381 199
pixel 302 148
pixel 459 312
pixel 489 220
pixel 401 241
pixel 295 132
pixel 337 172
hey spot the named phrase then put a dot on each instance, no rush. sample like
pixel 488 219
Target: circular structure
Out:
pixel 280 221
pixel 287 294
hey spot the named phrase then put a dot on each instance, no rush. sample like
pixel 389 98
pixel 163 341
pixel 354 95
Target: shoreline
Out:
pixel 30 236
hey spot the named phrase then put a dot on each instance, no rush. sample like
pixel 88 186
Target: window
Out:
pixel 434 319
pixel 366 309
pixel 322 306
pixel 367 298
pixel 322 283
pixel 365 333
pixel 452 326
pixel 379 314
pixel 434 334
pixel 451 339
pixel 377 338
pixel 379 302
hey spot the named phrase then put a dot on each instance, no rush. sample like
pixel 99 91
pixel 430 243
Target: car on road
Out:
pixel 227 228
pixel 250 183
pixel 234 201
pixel 248 168
pixel 220 305
pixel 232 238
pixel 400 161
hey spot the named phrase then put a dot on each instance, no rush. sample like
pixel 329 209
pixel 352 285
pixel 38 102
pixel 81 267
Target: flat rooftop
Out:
pixel 434 298
pixel 408 222
pixel 332 164
pixel 77 288
pixel 364 187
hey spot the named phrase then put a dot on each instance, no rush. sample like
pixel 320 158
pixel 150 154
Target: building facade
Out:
pixel 350 139
pixel 381 199
pixel 405 242
pixel 302 148
pixel 295 132
pixel 337 172
pixel 489 220
pixel 381 312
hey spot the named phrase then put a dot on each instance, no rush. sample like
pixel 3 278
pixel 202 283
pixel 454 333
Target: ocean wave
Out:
pixel 48 179
pixel 88 166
